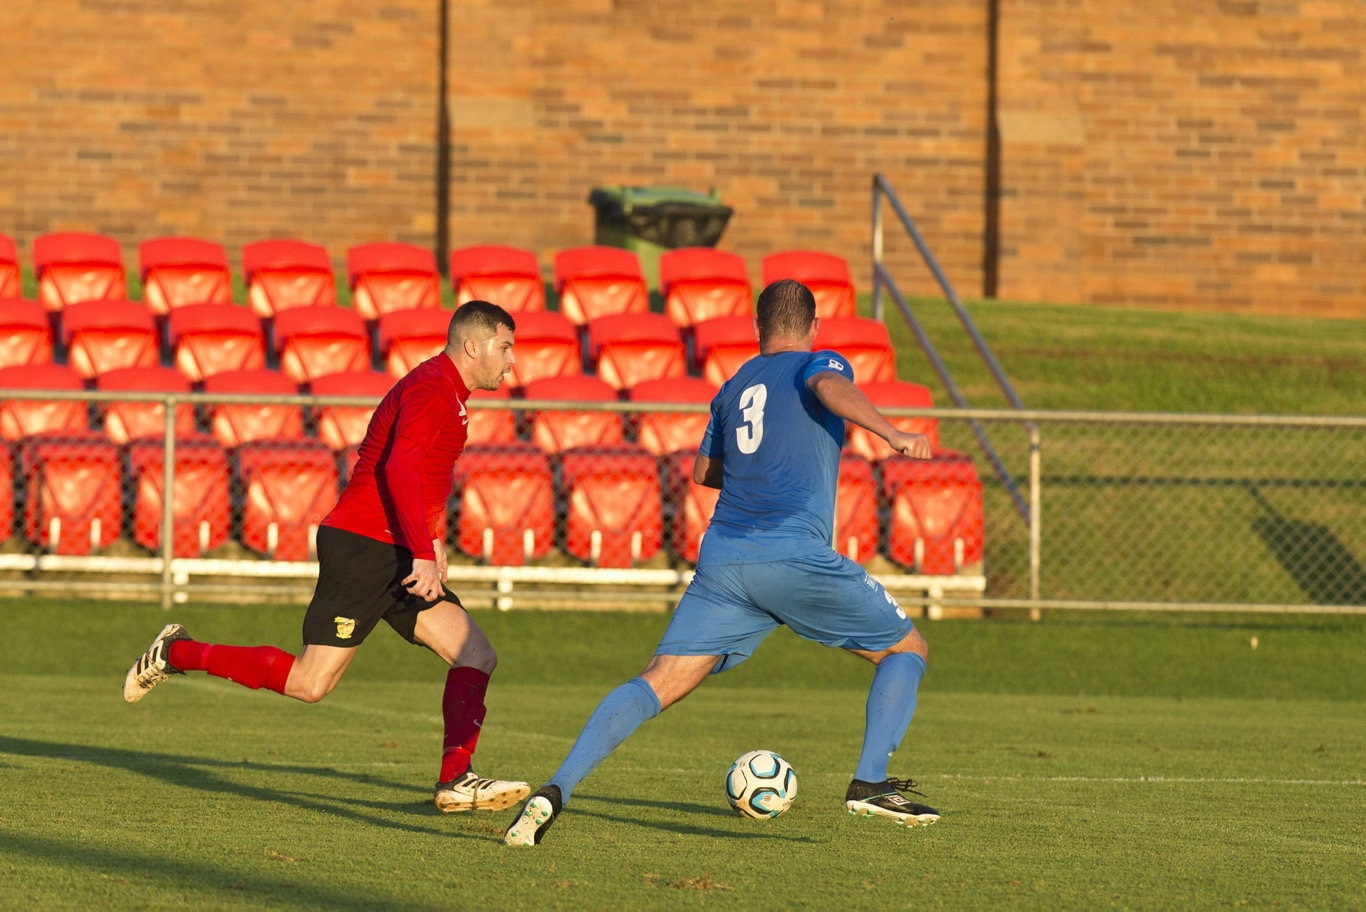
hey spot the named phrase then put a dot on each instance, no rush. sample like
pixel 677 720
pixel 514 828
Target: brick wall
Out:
pixel 787 108
pixel 1185 154
pixel 235 120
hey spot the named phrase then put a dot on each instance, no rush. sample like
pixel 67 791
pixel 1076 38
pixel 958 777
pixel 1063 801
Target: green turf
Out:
pixel 1081 762
pixel 1112 359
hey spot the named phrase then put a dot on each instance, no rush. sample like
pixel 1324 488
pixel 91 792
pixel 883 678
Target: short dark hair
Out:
pixel 785 308
pixel 480 318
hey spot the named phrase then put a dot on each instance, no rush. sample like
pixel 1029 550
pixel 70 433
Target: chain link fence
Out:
pixel 1178 510
pixel 592 503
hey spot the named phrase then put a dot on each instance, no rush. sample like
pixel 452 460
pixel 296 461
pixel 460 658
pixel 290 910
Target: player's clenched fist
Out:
pixel 917 446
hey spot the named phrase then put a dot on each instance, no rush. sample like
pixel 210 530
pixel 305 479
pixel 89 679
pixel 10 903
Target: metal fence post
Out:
pixel 168 505
pixel 1035 516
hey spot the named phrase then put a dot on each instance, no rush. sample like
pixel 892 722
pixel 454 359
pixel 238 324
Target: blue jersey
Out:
pixel 780 451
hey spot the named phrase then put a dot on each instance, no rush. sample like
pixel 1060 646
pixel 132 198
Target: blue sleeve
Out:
pixel 827 361
pixel 711 445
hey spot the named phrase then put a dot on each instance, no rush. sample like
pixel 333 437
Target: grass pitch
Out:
pixel 1080 762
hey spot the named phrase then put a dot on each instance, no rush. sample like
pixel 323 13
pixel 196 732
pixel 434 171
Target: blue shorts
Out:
pixel 729 609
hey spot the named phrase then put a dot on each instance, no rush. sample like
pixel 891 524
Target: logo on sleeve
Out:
pixel 835 365
pixel 464 415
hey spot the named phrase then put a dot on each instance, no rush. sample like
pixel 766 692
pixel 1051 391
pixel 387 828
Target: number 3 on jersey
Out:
pixel 749 435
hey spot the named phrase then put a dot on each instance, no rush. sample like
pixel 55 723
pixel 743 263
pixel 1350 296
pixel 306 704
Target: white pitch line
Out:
pixel 1153 780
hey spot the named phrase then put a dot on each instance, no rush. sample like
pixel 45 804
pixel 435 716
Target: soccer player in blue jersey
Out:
pixel 772 446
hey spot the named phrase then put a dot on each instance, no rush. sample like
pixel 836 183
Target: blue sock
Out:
pixel 619 714
pixel 891 704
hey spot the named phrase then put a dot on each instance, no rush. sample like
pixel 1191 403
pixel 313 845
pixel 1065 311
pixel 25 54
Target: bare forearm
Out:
pixel 845 400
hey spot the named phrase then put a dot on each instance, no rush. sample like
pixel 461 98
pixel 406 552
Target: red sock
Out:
pixel 250 666
pixel 462 708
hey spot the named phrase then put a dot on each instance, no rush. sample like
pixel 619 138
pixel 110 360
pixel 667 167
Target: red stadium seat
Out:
pixel 313 342
pixel 6 492
pixel 488 425
pixel 209 339
pixel 700 283
pixel 288 488
pixel 856 514
pixel 626 349
pixel 825 274
pixel 73 267
pixel 344 426
pixel 25 333
pixel 507 276
pixel 283 275
pixel 936 524
pixel 126 421
pixel 178 271
pixel 893 394
pixel 547 346
pixel 200 501
pixel 721 345
pixel 409 337
pixel 613 507
pixel 234 424
pixel 20 418
pixel 864 342
pixel 693 505
pixel 389 277
pixel 9 268
pixel 661 431
pixel 557 431
pixel 101 336
pixel 599 281
pixel 506 503
pixel 73 484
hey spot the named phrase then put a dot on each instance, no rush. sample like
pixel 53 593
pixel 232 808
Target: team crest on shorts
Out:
pixel 345 627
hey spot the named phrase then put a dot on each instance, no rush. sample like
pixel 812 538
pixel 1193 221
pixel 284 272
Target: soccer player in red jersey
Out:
pixel 379 559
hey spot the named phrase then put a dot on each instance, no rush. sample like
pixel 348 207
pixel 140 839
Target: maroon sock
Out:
pixel 250 666
pixel 462 708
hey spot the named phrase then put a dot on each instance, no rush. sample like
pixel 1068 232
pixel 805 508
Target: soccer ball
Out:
pixel 761 784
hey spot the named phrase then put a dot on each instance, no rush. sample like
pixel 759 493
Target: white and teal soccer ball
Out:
pixel 761 784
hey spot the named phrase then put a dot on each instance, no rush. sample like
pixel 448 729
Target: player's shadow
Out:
pixel 653 821
pixel 201 773
pixel 1312 555
pixel 205 882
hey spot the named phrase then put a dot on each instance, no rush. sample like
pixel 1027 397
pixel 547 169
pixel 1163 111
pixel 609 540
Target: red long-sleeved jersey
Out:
pixel 406 464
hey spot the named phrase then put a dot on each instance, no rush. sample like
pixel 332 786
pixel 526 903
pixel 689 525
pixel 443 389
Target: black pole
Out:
pixel 443 153
pixel 991 223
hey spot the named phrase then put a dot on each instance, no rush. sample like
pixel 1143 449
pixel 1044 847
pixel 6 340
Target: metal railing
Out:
pixel 1128 511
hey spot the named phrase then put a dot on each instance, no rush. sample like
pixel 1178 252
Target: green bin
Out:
pixel 651 220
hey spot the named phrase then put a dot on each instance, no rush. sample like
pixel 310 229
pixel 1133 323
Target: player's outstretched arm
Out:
pixel 845 400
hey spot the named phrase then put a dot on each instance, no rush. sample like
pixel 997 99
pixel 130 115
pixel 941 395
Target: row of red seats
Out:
pixel 71 487
pixel 616 501
pixel 204 340
pixel 696 283
pixel 325 349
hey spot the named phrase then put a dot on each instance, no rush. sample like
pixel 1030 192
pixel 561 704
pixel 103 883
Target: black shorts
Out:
pixel 359 582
